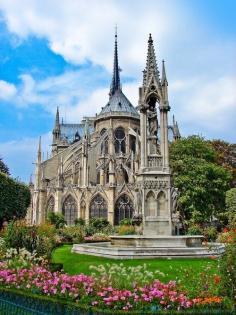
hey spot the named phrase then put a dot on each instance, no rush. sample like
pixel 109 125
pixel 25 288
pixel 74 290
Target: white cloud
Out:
pixel 207 106
pixel 82 30
pixel 7 90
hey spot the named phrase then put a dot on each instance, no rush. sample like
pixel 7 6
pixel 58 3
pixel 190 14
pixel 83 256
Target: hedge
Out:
pixel 13 301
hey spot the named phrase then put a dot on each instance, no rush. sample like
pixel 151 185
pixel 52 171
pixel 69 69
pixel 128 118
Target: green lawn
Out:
pixel 172 268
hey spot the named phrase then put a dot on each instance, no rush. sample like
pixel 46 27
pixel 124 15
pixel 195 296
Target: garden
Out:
pixel 40 275
pixel 39 269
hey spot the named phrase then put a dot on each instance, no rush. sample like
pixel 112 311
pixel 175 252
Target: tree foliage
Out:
pixel 202 183
pixel 226 156
pixel 3 167
pixel 230 201
pixel 14 198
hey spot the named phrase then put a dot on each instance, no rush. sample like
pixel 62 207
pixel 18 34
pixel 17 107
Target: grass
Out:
pixel 172 268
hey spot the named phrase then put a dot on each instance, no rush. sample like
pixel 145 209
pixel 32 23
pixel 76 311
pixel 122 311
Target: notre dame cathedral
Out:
pixel 95 165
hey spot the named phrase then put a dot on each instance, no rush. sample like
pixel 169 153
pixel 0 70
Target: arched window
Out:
pixel 151 205
pixel 98 177
pixel 161 203
pixel 98 207
pixel 124 209
pixel 70 210
pixel 132 143
pixel 120 140
pixel 50 205
pixel 104 144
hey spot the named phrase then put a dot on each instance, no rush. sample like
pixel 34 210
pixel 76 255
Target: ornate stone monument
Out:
pixel 155 195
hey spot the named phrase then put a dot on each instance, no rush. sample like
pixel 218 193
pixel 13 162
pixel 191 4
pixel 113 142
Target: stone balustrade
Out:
pixel 155 161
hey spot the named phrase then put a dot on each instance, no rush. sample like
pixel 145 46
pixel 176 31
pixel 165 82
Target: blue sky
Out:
pixel 57 53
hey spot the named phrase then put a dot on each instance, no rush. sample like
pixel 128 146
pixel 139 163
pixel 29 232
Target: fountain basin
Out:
pixel 141 247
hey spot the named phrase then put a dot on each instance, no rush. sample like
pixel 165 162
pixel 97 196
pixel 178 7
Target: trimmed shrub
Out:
pixel 126 230
pixel 72 234
pixel 56 219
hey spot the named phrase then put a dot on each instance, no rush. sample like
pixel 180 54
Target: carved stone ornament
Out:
pixel 153 184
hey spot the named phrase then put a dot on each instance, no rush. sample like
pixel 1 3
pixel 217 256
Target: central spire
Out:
pixel 115 83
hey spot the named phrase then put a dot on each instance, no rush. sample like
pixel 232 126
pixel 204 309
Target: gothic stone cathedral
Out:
pixel 97 169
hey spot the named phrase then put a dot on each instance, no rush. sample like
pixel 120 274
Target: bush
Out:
pixel 126 222
pixel 18 235
pixel 3 248
pixel 18 259
pixel 56 219
pixel 126 230
pixel 210 233
pixel 195 230
pixel 41 239
pixel 230 201
pixel 98 225
pixel 72 234
pixel 53 267
pixel 80 222
pixel 227 265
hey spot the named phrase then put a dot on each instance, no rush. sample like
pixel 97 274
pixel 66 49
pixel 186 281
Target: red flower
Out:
pixel 216 279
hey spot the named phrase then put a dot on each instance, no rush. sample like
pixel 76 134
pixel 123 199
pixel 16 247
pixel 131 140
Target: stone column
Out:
pixel 166 158
pixel 58 200
pixel 143 135
pixel 162 132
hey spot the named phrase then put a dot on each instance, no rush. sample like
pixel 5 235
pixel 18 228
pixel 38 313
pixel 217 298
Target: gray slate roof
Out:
pixel 68 131
pixel 119 103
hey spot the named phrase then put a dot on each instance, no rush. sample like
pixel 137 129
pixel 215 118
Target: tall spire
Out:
pixel 39 159
pixel 151 64
pixel 115 83
pixel 163 77
pixel 57 120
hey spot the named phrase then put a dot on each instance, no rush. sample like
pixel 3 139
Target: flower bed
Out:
pixel 86 290
pixel 98 237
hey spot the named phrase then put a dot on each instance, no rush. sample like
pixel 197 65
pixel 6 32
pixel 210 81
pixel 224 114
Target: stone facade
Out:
pixel 114 165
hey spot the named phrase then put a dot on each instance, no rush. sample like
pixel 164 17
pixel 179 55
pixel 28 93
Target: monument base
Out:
pixel 141 247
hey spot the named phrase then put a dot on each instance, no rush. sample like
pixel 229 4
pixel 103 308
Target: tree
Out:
pixel 14 198
pixel 226 156
pixel 230 201
pixel 202 183
pixel 3 168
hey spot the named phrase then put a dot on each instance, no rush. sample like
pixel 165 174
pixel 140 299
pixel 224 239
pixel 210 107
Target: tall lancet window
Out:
pixel 124 209
pixel 70 210
pixel 120 140
pixel 98 207
pixel 104 144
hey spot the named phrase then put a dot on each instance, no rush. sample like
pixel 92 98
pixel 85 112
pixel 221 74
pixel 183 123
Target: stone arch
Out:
pixel 98 207
pixel 70 209
pixel 161 203
pixel 151 204
pixel 124 208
